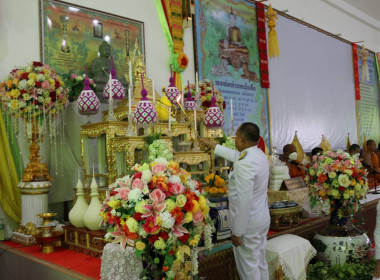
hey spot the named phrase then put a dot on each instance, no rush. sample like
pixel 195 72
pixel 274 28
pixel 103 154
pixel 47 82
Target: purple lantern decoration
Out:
pixel 214 117
pixel 88 103
pixel 172 92
pixel 118 91
pixel 145 113
pixel 189 103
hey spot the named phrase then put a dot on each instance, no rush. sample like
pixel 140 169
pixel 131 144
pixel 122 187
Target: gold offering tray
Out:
pixel 284 218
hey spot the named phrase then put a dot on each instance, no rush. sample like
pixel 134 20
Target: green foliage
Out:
pixel 348 271
pixel 319 245
pixel 152 137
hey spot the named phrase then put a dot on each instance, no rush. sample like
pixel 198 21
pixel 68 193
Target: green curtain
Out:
pixel 10 199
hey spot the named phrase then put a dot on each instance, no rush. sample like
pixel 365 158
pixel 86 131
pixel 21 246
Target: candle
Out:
pixel 110 88
pixel 130 99
pixel 154 93
pixel 170 123
pixel 232 110
pixel 130 73
pixel 195 122
pixel 196 84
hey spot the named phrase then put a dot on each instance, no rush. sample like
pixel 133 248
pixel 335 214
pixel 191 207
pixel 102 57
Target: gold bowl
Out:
pixel 46 217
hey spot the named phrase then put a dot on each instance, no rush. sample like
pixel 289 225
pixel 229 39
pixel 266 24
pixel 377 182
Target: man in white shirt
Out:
pixel 248 201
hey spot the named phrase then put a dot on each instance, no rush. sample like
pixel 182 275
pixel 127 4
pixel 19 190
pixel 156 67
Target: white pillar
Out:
pixel 34 201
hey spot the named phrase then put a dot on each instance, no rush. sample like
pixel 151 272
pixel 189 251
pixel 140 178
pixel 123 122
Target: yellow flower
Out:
pixel 139 208
pixel 348 172
pixel 15 81
pixel 353 182
pixel 196 207
pixel 209 177
pixel 47 100
pixel 32 76
pixel 9 83
pixel 170 204
pixel 322 193
pixel 15 104
pixel 15 93
pixel 312 172
pixel 202 202
pixel 114 204
pixel 344 180
pixel 194 242
pixel 140 245
pixel 188 217
pixel 160 244
pixel 205 211
pixel 26 96
pixel 30 83
pixel 332 175
pixel 133 225
pixel 181 200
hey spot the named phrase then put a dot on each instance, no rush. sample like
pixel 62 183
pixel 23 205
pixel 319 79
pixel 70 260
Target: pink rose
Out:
pixel 137 184
pixel 45 85
pixel 73 76
pixel 157 196
pixel 123 193
pixel 158 168
pixel 177 188
pixel 197 218
pixel 315 165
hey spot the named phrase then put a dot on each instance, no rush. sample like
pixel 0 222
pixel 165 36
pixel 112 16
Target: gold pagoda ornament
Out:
pixel 271 19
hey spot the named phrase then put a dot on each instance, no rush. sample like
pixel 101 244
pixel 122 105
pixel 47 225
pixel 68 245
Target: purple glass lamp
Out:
pixel 172 91
pixel 114 86
pixel 145 114
pixel 214 117
pixel 88 103
pixel 189 103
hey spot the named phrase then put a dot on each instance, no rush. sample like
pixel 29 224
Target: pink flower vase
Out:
pixel 88 103
pixel 172 92
pixel 117 89
pixel 145 113
pixel 214 117
pixel 189 103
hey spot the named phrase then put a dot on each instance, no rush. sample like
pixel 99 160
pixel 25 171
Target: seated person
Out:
pixel 316 151
pixel 289 157
pixel 355 151
pixel 371 161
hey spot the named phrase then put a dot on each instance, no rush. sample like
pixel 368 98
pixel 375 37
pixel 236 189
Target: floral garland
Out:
pixel 337 180
pixel 33 90
pixel 205 95
pixel 163 213
pixel 215 184
pixel 178 62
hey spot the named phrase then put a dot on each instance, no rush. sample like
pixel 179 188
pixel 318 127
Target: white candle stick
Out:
pixel 154 92
pixel 195 122
pixel 130 99
pixel 170 121
pixel 130 73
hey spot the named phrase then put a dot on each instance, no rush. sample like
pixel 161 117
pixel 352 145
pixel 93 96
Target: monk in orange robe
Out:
pixel 296 168
pixel 371 160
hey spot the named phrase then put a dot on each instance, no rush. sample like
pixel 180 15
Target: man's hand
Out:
pixel 208 143
pixel 236 241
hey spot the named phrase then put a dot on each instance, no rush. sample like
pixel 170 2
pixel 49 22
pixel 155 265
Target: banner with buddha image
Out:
pixel 228 55
pixel 369 103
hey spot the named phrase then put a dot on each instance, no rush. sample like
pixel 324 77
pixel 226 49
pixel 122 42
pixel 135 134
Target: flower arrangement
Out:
pixel 163 213
pixel 215 184
pixel 178 62
pixel 337 180
pixel 205 95
pixel 33 90
pixel 229 143
pixel 75 84
pixel 159 148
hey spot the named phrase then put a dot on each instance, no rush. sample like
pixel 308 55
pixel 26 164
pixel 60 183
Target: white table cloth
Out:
pixel 292 253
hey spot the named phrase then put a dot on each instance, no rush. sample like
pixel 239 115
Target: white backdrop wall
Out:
pixel 312 88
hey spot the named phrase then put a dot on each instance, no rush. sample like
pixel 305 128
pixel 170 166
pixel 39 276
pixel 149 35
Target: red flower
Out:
pixel 355 174
pixel 22 91
pixel 153 238
pixel 137 216
pixel 164 235
pixel 171 252
pixel 184 237
pixel 206 103
pixel 137 175
pixel 322 178
pixel 342 189
pixel 57 84
pixel 24 76
pixel 37 64
pixel 53 96
pixel 189 206
pixel 165 268
pixel 38 84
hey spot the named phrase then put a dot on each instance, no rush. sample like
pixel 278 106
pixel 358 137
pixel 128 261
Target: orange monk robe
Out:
pixel 375 165
pixel 295 169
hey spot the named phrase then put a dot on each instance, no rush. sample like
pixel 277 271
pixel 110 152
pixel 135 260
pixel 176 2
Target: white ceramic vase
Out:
pixel 80 207
pixel 91 217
